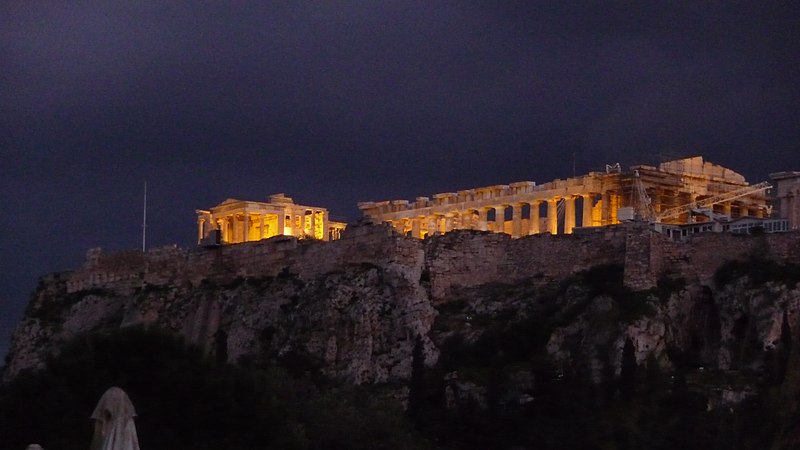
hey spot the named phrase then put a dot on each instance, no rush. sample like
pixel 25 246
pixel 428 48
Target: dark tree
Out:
pixel 627 375
pixel 416 394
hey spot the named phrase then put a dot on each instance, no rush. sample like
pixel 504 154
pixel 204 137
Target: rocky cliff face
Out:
pixel 356 309
pixel 358 322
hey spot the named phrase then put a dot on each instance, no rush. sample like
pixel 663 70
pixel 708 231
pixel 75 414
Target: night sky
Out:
pixel 336 102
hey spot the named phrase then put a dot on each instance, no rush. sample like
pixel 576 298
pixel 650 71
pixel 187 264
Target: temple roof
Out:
pixel 696 166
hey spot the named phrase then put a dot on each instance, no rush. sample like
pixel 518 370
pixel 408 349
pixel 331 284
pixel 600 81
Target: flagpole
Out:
pixel 144 219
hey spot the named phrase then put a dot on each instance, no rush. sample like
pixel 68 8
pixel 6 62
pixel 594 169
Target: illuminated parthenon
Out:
pixel 559 206
pixel 239 221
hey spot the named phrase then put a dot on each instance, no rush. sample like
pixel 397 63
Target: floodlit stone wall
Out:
pixel 698 258
pixel 468 259
pixel 371 272
pixel 377 244
pixel 463 259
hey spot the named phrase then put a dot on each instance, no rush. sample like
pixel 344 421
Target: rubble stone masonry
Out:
pixel 464 258
pixel 366 296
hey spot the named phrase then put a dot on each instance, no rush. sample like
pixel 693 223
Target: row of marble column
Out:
pixel 477 218
pixel 726 208
pixel 235 227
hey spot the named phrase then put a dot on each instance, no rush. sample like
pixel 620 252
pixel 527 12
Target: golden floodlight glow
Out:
pixel 236 221
pixel 559 206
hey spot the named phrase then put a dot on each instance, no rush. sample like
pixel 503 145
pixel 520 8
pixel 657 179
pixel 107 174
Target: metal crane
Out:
pixel 706 202
pixel 643 203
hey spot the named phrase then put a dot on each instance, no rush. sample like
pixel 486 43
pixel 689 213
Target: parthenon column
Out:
pixel 200 229
pixel 483 219
pixel 245 226
pixel 454 221
pixel 587 221
pixel 398 225
pixel 431 225
pixel 460 220
pixel 499 219
pixel 516 220
pixel 657 200
pixel 325 221
pixel 689 216
pixel 223 229
pixel 472 219
pixel 606 204
pixel 449 220
pixel 533 222
pixel 416 230
pixel 597 214
pixel 569 214
pixel 552 215
pixel 281 223
pixel 726 209
pixel 263 225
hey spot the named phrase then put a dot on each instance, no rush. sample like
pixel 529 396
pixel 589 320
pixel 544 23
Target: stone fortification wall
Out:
pixel 125 271
pixel 355 303
pixel 465 258
pixel 698 258
pixel 641 260
pixel 472 258
pixel 361 300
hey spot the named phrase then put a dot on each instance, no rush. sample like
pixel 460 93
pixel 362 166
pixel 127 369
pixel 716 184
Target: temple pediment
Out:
pixel 696 166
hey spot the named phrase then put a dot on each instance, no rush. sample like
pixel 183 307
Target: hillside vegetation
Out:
pixel 522 365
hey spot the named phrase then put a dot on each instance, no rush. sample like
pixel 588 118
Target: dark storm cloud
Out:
pixel 343 101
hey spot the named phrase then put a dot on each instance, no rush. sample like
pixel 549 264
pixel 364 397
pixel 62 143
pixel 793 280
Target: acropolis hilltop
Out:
pixel 670 195
pixel 275 270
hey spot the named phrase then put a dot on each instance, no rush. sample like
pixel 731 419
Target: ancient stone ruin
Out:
pixel 236 221
pixel 591 200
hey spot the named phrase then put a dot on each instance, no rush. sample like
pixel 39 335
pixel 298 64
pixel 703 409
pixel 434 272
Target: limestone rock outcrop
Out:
pixel 355 308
